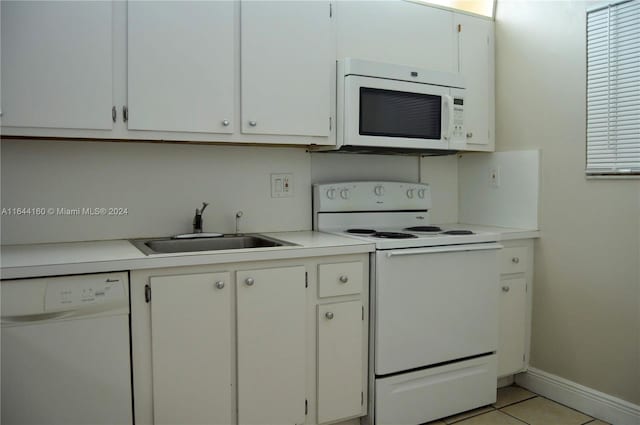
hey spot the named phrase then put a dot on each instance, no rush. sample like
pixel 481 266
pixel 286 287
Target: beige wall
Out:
pixel 586 318
pixel 162 184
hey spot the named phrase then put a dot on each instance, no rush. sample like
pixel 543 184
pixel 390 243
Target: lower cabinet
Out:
pixel 516 268
pixel 191 348
pixel 250 343
pixel 340 353
pixel 271 346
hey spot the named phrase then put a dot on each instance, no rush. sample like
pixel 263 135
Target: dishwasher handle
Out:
pixel 441 249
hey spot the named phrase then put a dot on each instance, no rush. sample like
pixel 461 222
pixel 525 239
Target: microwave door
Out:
pixel 395 114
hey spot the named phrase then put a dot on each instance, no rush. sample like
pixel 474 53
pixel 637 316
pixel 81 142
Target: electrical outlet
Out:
pixel 494 176
pixel 282 185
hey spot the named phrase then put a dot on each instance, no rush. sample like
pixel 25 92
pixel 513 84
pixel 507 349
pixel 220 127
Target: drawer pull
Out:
pixel 249 281
pixel 220 284
pixel 328 315
pixel 505 289
pixel 344 279
pixel 515 260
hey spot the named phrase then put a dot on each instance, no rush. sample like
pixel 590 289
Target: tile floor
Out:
pixel 517 406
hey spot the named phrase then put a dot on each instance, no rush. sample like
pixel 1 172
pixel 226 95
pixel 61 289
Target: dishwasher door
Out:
pixel 65 350
pixel 435 305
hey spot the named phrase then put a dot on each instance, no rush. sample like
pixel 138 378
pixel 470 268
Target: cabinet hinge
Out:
pixel 113 114
pixel 362 312
pixel 459 27
pixel 147 293
pixel 361 398
pixel 306 407
pixel 330 126
pixel 330 10
pixel 306 279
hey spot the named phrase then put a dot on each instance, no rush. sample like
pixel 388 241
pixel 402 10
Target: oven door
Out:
pixel 435 305
pixel 396 114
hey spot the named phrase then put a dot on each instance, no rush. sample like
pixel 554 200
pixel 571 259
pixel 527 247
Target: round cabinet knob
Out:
pixel 378 190
pixel 505 289
pixel 515 260
pixel 220 284
pixel 344 193
pixel 253 123
pixel 328 315
pixel 331 193
pixel 421 193
pixel 469 135
pixel 410 193
pixel 225 123
pixel 249 281
pixel 344 279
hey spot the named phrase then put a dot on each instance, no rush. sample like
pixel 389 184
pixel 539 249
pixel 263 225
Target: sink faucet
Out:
pixel 197 219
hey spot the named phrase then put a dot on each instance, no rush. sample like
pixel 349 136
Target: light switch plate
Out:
pixel 282 185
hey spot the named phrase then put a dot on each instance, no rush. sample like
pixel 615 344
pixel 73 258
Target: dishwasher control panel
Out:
pixel 71 292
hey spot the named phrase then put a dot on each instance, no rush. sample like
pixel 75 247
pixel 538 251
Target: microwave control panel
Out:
pixel 458 118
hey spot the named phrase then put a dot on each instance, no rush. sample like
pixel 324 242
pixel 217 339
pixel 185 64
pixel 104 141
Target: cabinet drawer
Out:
pixel 514 260
pixel 339 279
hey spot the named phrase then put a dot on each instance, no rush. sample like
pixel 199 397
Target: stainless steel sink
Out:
pixel 172 245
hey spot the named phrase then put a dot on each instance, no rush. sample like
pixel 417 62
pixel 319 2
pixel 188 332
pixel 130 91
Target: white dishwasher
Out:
pixel 65 350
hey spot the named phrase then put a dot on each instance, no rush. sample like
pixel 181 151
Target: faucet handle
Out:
pixel 201 210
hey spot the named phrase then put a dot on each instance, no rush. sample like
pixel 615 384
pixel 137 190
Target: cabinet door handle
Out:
pixel 125 114
pixel 225 123
pixel 113 114
pixel 253 123
pixel 515 260
pixel 328 315
pixel 505 289
pixel 344 279
pixel 220 284
pixel 249 281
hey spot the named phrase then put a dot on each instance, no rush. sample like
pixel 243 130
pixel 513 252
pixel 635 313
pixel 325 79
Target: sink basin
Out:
pixel 170 245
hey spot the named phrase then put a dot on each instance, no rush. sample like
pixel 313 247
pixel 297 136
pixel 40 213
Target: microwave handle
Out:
pixel 447 103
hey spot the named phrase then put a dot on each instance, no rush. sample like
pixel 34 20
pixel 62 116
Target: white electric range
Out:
pixel 434 300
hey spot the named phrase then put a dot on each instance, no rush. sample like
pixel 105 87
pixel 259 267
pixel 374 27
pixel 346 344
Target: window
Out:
pixel 613 89
pixel 479 7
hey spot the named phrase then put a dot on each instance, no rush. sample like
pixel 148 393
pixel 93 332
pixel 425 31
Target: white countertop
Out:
pixel 21 261
pixel 505 233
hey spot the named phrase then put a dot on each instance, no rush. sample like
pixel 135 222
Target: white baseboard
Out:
pixel 587 400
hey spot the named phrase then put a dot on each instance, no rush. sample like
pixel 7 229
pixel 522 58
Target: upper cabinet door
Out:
pixel 288 58
pixel 181 66
pixel 398 32
pixel 476 64
pixel 57 64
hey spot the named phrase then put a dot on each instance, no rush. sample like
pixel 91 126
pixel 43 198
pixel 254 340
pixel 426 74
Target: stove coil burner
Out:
pixel 458 232
pixel 393 235
pixel 361 231
pixel 424 229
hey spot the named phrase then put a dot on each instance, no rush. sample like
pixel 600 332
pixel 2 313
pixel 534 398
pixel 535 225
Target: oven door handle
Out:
pixel 438 249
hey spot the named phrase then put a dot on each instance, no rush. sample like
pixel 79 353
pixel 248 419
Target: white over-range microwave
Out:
pixel 399 108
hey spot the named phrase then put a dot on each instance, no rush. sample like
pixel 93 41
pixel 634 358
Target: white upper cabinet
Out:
pixel 397 31
pixel 476 64
pixel 181 68
pixel 57 64
pixel 287 62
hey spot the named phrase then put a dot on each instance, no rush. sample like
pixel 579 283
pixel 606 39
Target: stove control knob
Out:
pixel 410 193
pixel 421 193
pixel 378 190
pixel 344 194
pixel 331 193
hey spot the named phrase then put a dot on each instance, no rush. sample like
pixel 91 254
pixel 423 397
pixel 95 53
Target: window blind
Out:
pixel 613 89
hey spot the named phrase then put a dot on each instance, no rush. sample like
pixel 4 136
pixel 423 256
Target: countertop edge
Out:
pixel 152 262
